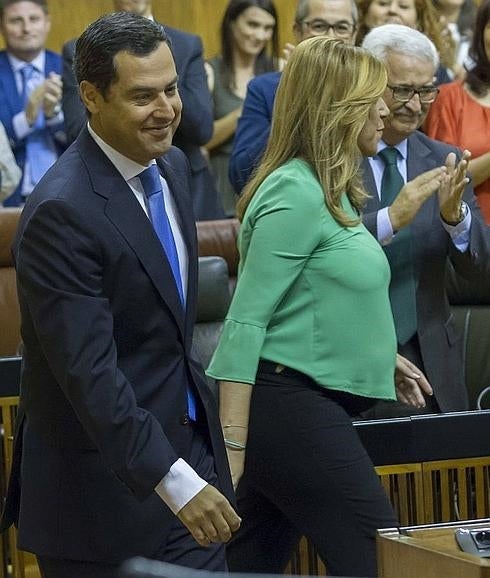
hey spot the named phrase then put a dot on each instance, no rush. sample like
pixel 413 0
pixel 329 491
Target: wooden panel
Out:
pixel 203 17
pixel 456 489
pixel 13 562
pixel 404 486
pixel 421 493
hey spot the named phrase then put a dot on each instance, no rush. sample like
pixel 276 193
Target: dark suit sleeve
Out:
pixel 370 221
pixel 250 137
pixel 196 126
pixel 73 109
pixel 60 263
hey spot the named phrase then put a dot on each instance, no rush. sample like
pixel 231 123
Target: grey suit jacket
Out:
pixel 432 246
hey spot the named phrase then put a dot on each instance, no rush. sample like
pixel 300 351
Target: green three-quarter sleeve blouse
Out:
pixel 311 294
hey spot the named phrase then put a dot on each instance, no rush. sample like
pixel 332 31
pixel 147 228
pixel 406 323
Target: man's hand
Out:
pixel 53 90
pixel 452 188
pixel 410 383
pixel 413 195
pixel 34 104
pixel 286 51
pixel 209 517
pixel 47 95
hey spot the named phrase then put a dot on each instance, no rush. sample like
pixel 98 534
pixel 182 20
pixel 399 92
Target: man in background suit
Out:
pixel 422 226
pixel 336 18
pixel 196 127
pixel 30 92
pixel 118 450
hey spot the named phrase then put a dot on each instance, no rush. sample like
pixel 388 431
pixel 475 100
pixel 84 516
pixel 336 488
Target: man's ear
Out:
pixel 91 97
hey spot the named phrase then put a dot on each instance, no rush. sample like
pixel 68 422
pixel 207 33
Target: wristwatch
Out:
pixel 56 111
pixel 463 211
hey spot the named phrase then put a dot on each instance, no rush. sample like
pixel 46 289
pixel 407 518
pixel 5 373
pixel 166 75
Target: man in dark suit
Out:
pixel 30 92
pixel 118 450
pixel 196 127
pixel 422 225
pixel 336 18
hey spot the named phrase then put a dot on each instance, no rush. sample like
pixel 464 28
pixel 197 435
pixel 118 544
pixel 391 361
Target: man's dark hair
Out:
pixel 103 39
pixel 5 3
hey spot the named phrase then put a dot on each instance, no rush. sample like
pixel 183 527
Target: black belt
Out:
pixel 279 369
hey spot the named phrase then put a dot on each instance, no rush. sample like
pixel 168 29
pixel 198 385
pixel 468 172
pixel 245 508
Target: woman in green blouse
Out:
pixel 309 339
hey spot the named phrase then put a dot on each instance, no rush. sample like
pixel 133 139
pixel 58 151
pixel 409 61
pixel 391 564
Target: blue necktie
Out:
pixel 399 253
pixel 40 149
pixel 152 186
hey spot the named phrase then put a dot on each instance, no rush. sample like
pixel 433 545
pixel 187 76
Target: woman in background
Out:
pixel 461 113
pixel 419 14
pixel 459 18
pixel 249 46
pixel 309 339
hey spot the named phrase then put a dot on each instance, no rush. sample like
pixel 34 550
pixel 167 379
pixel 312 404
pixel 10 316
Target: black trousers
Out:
pixel 180 547
pixel 306 473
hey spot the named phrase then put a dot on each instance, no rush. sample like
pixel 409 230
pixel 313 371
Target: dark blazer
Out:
pixel 196 126
pixel 432 246
pixel 253 128
pixel 107 360
pixel 11 105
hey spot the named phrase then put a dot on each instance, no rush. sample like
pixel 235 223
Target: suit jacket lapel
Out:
pixel 419 160
pixel 7 79
pixel 372 204
pixel 126 214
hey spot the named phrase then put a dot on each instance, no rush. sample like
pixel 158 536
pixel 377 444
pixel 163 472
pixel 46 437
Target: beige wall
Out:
pixel 203 17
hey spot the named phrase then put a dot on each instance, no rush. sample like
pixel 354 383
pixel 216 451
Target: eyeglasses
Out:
pixel 341 29
pixel 427 94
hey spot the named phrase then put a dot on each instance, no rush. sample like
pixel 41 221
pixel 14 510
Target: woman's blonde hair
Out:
pixel 321 106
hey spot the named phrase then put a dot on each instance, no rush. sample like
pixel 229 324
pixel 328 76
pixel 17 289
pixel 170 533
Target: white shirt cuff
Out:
pixel 384 227
pixel 460 233
pixel 179 486
pixel 21 126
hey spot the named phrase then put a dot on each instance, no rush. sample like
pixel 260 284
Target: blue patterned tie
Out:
pixel 399 253
pixel 152 186
pixel 40 149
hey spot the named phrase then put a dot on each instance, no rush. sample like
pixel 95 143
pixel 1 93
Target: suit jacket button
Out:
pixel 184 420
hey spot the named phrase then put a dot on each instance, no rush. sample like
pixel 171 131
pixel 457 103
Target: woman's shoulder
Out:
pixel 293 185
pixel 453 91
pixel 296 173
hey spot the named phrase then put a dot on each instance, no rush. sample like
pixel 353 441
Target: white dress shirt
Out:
pixel 21 127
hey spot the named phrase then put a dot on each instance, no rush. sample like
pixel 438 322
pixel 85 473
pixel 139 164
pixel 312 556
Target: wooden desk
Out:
pixel 428 552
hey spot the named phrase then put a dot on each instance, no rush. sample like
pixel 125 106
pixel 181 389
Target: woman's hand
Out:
pixel 234 412
pixel 410 383
pixel 236 459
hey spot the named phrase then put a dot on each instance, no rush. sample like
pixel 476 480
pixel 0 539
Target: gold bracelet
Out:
pixel 233 425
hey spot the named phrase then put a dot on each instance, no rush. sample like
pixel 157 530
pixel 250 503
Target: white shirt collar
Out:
pixel 401 147
pixel 39 62
pixel 127 167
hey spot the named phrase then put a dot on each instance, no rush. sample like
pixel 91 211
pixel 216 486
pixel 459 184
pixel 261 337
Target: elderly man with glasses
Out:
pixel 336 18
pixel 420 222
